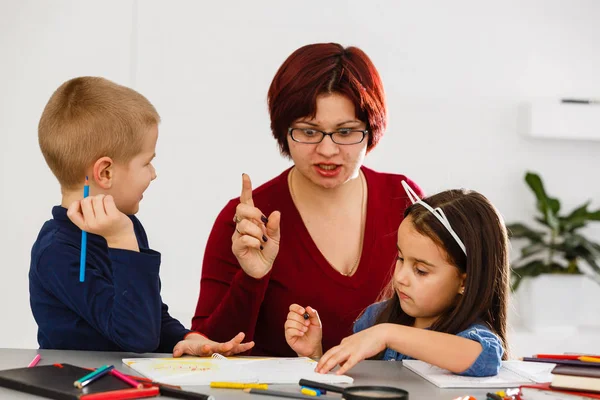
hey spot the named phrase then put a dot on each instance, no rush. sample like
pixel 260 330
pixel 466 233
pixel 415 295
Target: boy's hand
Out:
pixel 304 335
pixel 354 349
pixel 99 215
pixel 255 242
pixel 198 345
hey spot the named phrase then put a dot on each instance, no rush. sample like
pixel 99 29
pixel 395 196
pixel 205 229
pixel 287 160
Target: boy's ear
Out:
pixel 103 172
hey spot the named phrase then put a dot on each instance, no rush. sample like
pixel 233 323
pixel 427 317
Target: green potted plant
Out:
pixel 556 262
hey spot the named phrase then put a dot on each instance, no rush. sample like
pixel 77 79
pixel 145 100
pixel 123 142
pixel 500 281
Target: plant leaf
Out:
pixel 542 221
pixel 578 212
pixel 554 205
pixel 518 273
pixel 548 206
pixel 532 249
pixel 591 247
pixel 579 218
pixel 594 216
pixel 552 220
pixel 519 231
pixel 592 262
pixel 566 227
pixel 535 183
pixel 571 246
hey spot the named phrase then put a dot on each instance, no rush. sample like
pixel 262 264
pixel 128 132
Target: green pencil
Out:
pixel 92 376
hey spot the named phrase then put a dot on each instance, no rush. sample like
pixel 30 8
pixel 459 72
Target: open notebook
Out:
pixel 512 374
pixel 203 370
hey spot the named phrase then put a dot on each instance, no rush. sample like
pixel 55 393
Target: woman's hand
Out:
pixel 304 335
pixel 255 242
pixel 198 345
pixel 354 349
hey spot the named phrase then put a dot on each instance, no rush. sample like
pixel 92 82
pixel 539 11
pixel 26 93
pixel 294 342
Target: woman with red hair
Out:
pixel 329 238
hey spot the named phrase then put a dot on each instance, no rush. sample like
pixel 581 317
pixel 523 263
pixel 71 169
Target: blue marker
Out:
pixel 86 193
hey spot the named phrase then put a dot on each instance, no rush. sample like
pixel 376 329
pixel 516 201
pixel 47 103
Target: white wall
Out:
pixel 42 44
pixel 455 74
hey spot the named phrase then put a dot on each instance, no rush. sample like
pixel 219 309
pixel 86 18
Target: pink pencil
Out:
pixel 126 379
pixel 35 361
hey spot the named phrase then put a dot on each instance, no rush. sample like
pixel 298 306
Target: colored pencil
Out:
pixel 35 361
pixel 123 394
pixel 564 356
pixel 126 379
pixel 565 362
pixel 86 193
pixel 92 376
pixel 277 393
pixel 236 385
pixel 150 382
pixel 142 380
pixel 558 356
pixel 590 359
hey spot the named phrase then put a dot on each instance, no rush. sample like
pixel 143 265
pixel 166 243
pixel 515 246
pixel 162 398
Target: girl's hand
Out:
pixel 354 349
pixel 198 345
pixel 255 242
pixel 304 335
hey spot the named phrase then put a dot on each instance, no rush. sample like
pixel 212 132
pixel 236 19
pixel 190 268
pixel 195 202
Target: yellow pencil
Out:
pixel 590 359
pixel 236 385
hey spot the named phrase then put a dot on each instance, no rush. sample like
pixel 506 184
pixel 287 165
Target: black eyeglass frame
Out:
pixel 365 132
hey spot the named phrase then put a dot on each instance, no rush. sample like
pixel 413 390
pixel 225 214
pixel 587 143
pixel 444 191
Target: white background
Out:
pixel 455 75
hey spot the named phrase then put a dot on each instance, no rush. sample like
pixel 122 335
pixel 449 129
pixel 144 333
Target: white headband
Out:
pixel 438 213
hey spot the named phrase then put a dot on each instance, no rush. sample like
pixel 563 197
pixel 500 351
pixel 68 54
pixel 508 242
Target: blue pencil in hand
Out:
pixel 86 193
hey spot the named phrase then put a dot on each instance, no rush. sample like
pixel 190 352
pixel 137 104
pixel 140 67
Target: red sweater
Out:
pixel 231 301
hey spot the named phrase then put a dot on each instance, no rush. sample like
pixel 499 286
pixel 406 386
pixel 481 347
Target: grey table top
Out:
pixel 386 373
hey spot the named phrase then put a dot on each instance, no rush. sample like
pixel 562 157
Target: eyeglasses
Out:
pixel 341 136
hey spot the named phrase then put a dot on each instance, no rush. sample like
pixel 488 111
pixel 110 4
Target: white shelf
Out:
pixel 553 119
pixel 525 343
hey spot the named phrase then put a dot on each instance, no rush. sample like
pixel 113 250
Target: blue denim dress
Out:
pixel 487 364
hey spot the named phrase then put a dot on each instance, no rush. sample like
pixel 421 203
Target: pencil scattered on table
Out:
pixel 35 361
pixel 126 379
pixel 92 376
pixel 237 385
pixel 277 393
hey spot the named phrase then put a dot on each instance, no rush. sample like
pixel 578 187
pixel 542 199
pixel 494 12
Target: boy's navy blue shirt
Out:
pixel 117 308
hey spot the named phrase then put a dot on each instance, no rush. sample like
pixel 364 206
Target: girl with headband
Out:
pixel 447 301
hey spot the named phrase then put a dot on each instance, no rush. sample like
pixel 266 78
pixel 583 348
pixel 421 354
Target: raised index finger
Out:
pixel 246 196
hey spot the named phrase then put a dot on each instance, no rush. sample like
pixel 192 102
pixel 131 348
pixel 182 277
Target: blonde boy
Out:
pixel 93 127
